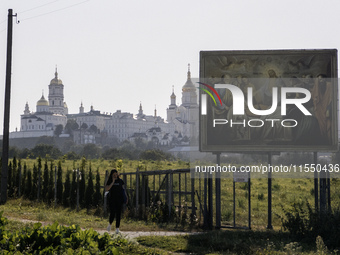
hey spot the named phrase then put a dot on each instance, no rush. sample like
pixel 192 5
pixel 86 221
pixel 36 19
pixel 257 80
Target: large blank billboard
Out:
pixel 271 100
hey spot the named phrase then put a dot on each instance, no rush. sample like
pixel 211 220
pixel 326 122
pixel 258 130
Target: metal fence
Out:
pixel 173 188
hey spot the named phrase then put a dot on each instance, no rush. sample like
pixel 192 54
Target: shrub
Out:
pixel 55 239
pixel 306 223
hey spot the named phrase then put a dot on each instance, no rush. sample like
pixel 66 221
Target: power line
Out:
pixel 61 9
pixel 39 6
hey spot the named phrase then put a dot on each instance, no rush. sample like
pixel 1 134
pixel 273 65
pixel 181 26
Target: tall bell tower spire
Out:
pixel 56 95
pixel 189 73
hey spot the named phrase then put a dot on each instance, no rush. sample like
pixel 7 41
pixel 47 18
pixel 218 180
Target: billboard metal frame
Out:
pixel 217 63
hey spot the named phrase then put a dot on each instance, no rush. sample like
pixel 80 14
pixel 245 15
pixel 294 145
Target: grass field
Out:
pixel 211 242
pixel 285 192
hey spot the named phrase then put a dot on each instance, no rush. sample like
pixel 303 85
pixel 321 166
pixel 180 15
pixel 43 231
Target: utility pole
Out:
pixel 5 141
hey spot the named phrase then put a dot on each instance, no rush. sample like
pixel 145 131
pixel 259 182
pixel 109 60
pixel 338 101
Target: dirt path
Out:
pixel 127 234
pixel 136 234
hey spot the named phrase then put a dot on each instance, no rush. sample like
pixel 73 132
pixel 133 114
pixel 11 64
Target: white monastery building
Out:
pixel 181 122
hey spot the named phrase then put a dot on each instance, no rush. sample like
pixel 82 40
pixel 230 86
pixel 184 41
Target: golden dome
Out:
pixel 42 101
pixel 189 86
pixel 55 80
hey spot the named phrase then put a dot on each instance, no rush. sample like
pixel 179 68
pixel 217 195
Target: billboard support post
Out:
pixel 218 192
pixel 269 226
pixel 316 184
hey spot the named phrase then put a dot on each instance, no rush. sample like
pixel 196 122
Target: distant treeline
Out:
pixel 127 150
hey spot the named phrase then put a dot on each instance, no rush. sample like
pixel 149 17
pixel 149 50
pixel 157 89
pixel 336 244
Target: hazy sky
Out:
pixel 114 54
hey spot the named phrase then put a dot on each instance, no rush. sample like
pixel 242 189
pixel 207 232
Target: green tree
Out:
pixel 50 191
pixel 28 185
pixel 81 180
pixel 155 155
pixel 93 129
pixel 84 126
pixel 71 155
pixel 13 152
pixel 58 130
pixel 60 184
pixel 14 177
pixel 73 194
pixel 67 145
pixel 140 143
pixel 38 176
pixel 67 189
pixel 44 150
pixel 10 180
pixel 23 180
pixel 89 190
pixel 17 178
pixel 97 198
pixel 24 153
pixel 82 187
pixel 112 153
pixel 47 140
pixel 91 151
pixel 70 126
pixel 45 182
pixel 34 189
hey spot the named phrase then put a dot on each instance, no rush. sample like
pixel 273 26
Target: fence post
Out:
pixel 143 195
pixel 125 183
pixel 205 198
pixel 77 189
pixel 137 190
pixel 179 195
pixel 193 205
pixel 170 193
pixel 147 193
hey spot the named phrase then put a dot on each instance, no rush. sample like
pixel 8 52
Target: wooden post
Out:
pixel 269 226
pixel 5 139
pixel 218 192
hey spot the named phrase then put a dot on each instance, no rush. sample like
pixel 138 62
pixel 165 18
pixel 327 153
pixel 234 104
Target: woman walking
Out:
pixel 116 198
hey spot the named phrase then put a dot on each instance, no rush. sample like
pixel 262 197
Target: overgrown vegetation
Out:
pixel 236 242
pixel 58 239
pixel 305 223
